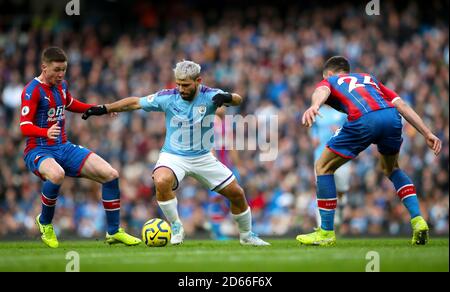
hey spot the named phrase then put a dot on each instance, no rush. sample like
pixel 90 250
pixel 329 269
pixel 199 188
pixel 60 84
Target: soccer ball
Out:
pixel 156 232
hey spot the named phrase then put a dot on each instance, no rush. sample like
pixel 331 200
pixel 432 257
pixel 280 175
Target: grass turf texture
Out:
pixel 221 256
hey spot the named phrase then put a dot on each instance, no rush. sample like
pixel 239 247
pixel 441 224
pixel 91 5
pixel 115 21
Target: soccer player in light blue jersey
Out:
pixel 190 111
pixel 325 127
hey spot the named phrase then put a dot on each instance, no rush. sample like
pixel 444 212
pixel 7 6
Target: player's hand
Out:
pixel 434 143
pixel 309 117
pixel 53 132
pixel 221 98
pixel 97 110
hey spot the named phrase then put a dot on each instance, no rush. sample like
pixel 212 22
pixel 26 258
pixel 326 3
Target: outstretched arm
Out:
pixel 319 97
pixel 123 105
pixel 414 119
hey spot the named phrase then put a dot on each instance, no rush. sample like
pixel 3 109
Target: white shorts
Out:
pixel 205 168
pixel 342 178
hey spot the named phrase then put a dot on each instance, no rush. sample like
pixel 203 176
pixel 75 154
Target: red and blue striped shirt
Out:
pixel 357 94
pixel 42 107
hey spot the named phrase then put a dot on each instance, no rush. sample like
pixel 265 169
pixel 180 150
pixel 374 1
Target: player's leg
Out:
pixel 389 145
pixel 326 166
pixel 167 174
pixel 346 144
pixel 406 191
pixel 241 213
pixel 95 168
pixel 342 181
pixel 53 174
pixel 217 177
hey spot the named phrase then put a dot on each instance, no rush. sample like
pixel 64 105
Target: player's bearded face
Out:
pixel 188 88
pixel 54 72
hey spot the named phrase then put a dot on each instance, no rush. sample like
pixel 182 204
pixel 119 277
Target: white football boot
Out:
pixel 253 240
pixel 177 233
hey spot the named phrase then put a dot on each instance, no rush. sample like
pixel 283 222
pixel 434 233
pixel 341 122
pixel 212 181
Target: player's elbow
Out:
pixel 25 130
pixel 398 102
pixel 237 99
pixel 400 105
pixel 133 104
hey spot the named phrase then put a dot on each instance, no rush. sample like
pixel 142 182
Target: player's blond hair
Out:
pixel 186 70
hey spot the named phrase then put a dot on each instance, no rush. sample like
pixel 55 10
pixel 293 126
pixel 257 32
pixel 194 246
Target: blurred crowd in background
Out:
pixel 272 56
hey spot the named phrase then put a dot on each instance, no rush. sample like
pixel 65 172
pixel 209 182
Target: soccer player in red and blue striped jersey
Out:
pixel 50 156
pixel 373 112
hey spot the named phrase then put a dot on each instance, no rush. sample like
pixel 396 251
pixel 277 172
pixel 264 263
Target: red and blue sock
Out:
pixel 406 191
pixel 111 203
pixel 326 200
pixel 49 196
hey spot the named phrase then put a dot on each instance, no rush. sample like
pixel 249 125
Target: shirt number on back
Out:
pixel 353 84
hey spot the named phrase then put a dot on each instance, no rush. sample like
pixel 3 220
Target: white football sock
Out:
pixel 244 221
pixel 170 210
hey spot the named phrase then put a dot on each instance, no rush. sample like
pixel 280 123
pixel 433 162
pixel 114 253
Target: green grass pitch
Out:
pixel 222 256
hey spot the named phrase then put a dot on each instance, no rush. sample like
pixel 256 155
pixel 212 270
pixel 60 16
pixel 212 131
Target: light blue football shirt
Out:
pixel 189 124
pixel 325 127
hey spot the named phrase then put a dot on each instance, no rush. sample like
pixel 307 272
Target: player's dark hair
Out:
pixel 337 64
pixel 53 54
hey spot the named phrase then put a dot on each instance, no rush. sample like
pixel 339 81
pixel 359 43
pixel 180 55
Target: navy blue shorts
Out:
pixel 382 128
pixel 71 157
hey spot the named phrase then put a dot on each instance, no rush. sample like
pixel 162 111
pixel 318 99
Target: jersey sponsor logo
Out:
pixel 25 110
pixel 27 96
pixel 47 98
pixel 150 98
pixel 55 114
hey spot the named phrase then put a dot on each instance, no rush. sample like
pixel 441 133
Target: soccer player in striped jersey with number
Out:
pixel 373 112
pixel 50 156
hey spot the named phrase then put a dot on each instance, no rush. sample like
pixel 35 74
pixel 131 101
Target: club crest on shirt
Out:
pixel 202 109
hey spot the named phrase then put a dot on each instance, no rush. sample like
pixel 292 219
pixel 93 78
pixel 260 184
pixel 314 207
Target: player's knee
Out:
pixel 163 182
pixel 388 170
pixel 111 174
pixel 56 176
pixel 236 194
pixel 322 169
